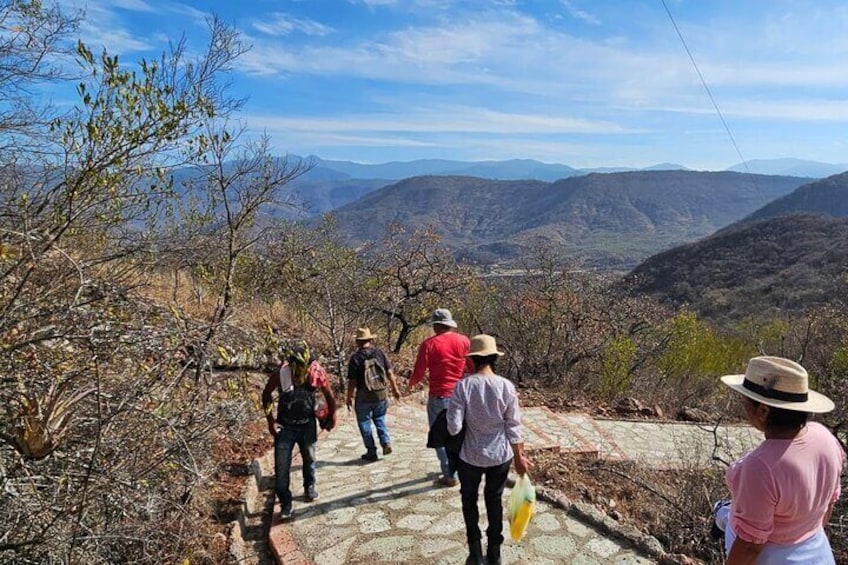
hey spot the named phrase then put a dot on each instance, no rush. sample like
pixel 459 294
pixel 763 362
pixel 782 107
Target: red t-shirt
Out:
pixel 443 357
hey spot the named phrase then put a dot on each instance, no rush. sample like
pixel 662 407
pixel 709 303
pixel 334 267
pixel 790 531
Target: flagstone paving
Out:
pixel 392 511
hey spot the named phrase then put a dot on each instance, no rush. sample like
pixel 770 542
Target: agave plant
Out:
pixel 41 423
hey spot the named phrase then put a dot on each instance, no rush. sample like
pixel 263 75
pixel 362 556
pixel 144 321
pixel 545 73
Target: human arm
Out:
pixel 754 492
pixel 520 458
pixel 393 383
pixel 456 410
pixel 351 382
pixel 331 404
pixel 351 389
pixel 390 374
pixel 744 552
pixel 513 430
pixel 272 383
pixel 420 367
pixel 318 380
pixel 828 513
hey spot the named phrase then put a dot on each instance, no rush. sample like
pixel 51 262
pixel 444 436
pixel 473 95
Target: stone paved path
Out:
pixel 392 511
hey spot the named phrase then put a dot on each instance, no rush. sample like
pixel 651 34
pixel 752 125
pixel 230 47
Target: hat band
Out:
pixel 775 394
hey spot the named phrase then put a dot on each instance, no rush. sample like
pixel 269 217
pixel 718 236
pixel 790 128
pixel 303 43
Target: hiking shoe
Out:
pixel 387 449
pixel 311 494
pixel 370 456
pixel 286 512
pixel 448 481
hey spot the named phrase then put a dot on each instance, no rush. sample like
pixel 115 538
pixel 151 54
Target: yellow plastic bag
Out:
pixel 522 506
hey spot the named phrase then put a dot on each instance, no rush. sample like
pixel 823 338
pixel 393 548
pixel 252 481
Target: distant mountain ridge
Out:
pixel 827 196
pixel 511 169
pixel 785 263
pixel 331 183
pixel 790 167
pixel 789 254
pixel 604 220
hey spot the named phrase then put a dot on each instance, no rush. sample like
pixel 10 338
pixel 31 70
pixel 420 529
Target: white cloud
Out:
pixel 278 23
pixel 117 40
pixel 133 5
pixel 461 53
pixel 456 119
pixel 579 14
pixel 198 17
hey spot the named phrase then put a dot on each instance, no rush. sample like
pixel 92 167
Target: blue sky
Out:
pixel 579 82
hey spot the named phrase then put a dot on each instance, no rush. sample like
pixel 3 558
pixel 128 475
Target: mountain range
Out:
pixel 530 169
pixel 612 220
pixel 789 255
pixel 331 184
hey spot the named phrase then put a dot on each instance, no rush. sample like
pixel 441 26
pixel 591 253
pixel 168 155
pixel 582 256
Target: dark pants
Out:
pixel 285 440
pixel 469 480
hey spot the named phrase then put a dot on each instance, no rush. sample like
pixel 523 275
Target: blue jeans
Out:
pixel 365 413
pixel 285 440
pixel 434 406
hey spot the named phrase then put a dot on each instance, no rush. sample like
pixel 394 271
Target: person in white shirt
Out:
pixel 487 405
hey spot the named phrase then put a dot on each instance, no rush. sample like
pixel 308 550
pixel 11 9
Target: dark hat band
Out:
pixel 775 394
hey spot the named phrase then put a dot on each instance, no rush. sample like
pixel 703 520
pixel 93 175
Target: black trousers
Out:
pixel 469 480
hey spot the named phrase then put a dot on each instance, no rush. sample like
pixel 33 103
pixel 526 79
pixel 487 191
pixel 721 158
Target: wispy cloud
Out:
pixel 579 14
pixel 372 3
pixel 280 24
pixel 456 119
pixel 133 5
pixel 198 17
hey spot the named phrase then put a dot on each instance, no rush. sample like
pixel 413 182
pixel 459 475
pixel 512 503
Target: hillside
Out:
pixel 787 263
pixel 609 220
pixel 827 196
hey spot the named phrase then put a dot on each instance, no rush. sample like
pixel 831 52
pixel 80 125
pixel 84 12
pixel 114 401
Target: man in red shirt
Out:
pixel 443 358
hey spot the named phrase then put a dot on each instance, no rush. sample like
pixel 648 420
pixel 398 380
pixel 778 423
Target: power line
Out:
pixel 707 88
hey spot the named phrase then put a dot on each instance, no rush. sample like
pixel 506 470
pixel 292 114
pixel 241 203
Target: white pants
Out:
pixel 814 550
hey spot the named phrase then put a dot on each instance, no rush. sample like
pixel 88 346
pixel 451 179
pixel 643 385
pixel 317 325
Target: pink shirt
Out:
pixel 443 357
pixel 782 489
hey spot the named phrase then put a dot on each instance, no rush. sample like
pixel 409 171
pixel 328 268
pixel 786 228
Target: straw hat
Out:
pixel 442 316
pixel 482 346
pixel 364 334
pixel 779 382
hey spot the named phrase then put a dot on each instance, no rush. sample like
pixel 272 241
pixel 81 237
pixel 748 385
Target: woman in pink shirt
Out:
pixel 784 490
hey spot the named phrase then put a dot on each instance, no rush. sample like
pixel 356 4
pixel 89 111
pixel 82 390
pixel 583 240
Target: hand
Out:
pixel 396 393
pixel 522 464
pixel 331 422
pixel 349 404
pixel 273 428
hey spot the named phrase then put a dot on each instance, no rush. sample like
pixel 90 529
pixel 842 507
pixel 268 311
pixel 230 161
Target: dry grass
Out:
pixel 673 506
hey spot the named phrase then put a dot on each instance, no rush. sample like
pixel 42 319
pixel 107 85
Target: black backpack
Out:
pixel 297 406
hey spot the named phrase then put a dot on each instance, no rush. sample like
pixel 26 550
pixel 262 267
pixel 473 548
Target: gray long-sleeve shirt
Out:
pixel 489 407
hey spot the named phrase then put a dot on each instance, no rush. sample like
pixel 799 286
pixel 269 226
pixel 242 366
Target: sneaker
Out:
pixel 286 512
pixel 370 456
pixel 387 449
pixel 311 494
pixel 448 481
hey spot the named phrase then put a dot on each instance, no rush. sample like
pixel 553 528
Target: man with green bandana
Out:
pixel 296 384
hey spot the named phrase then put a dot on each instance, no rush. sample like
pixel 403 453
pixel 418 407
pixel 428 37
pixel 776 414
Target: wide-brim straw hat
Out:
pixel 442 316
pixel 364 334
pixel 482 346
pixel 781 383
